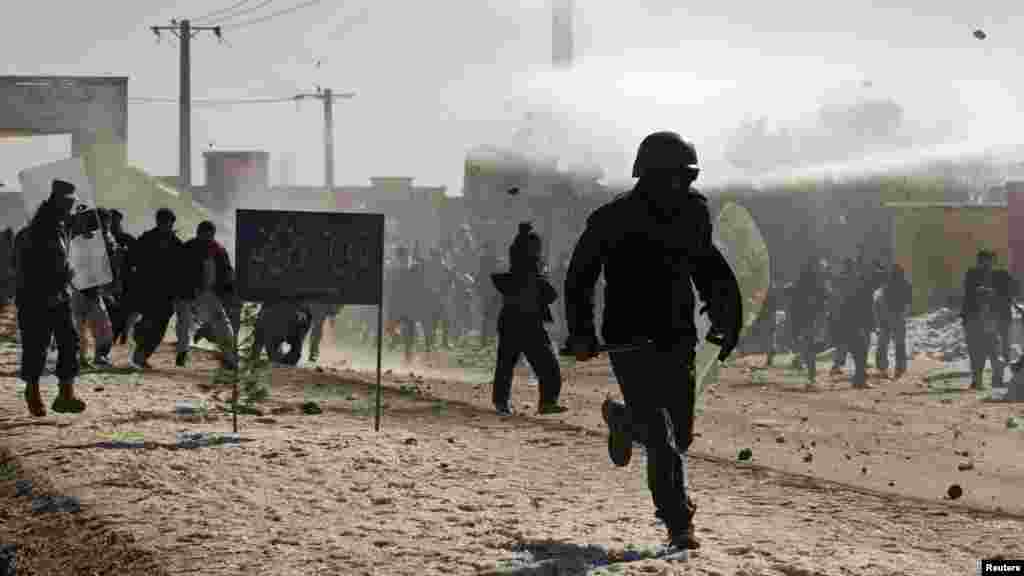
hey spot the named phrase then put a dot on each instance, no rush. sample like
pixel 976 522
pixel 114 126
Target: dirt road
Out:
pixel 447 487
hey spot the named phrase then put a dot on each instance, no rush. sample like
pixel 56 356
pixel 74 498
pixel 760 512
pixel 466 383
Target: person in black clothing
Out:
pixel 650 243
pixel 43 299
pixel 809 315
pixel 280 322
pixel 6 266
pixel 986 298
pixel 156 258
pixel 857 319
pixel 123 311
pixel 526 299
pixel 838 330
pixel 892 304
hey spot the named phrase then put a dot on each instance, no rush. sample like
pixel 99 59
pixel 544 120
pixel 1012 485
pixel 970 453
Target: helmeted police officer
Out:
pixel 650 243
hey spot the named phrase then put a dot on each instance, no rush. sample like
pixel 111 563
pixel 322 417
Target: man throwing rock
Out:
pixel 650 243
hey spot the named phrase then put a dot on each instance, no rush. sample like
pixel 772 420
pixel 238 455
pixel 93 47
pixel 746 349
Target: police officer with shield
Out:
pixel 650 243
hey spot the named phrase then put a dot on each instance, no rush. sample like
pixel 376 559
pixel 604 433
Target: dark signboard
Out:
pixel 333 257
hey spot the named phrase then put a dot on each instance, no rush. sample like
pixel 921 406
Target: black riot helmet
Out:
pixel 665 153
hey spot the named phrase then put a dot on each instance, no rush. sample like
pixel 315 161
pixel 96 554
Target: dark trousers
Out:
pixel 294 336
pixel 856 340
pixel 1004 338
pixel 149 333
pixel 658 389
pixel 527 338
pixel 39 325
pixel 839 339
pixel 490 308
pixel 895 330
pixel 807 349
pixel 983 346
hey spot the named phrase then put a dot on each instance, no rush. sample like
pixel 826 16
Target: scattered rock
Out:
pixel 954 491
pixel 409 442
pixel 23 488
pixel 96 389
pixel 197 439
pixel 44 504
pixel 891 483
pixel 808 457
pixel 965 466
pixel 780 439
pixel 863 469
pixel 745 454
pixel 265 421
pixel 8 560
pixel 381 500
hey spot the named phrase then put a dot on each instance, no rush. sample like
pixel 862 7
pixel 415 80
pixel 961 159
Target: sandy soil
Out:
pixel 447 487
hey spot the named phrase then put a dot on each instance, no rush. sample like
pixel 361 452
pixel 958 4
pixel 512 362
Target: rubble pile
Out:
pixel 938 334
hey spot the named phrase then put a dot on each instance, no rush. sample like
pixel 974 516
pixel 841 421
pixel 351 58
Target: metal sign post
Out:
pixel 380 330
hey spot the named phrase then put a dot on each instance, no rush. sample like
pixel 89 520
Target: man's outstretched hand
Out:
pixel 723 339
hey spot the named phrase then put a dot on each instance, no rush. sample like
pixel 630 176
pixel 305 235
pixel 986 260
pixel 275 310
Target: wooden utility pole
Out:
pixel 185 32
pixel 327 96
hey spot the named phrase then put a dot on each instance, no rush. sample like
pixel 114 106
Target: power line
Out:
pixel 217 13
pixel 273 15
pixel 210 101
pixel 230 17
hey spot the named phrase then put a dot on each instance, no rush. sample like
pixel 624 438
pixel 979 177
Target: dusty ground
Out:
pixel 449 488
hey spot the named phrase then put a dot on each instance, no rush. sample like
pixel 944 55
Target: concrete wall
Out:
pixel 937 243
pixel 83 106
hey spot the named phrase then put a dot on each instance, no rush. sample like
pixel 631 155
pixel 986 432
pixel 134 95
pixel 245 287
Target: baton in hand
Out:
pixel 603 348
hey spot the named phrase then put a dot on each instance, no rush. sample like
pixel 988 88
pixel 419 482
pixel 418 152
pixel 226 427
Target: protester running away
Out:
pixel 526 299
pixel 43 299
pixel 650 243
pixel 157 282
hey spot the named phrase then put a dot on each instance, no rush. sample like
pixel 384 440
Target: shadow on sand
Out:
pixel 551 558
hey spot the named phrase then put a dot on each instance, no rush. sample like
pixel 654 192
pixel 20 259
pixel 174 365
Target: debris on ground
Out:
pixel 954 492
pixel 49 504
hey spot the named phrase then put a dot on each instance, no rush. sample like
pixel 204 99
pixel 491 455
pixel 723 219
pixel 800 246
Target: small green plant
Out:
pixel 311 408
pixel 439 407
pixel 253 373
pixel 8 470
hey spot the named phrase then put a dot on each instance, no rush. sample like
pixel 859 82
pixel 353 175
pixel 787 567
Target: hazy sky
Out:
pixel 436 78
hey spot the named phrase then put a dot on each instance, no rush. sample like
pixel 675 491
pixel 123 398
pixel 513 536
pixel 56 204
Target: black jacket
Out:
pixel 157 260
pixel 649 247
pixel 526 297
pixel 1004 286
pixel 809 299
pixel 41 258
